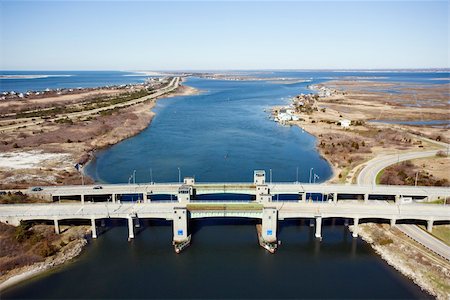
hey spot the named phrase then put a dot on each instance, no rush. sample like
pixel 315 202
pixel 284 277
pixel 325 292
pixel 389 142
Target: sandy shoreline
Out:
pixel 428 271
pixel 318 129
pixel 146 114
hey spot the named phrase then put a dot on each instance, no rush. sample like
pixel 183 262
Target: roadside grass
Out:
pixel 441 232
pixel 378 178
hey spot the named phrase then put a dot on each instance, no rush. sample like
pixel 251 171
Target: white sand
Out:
pixel 32 159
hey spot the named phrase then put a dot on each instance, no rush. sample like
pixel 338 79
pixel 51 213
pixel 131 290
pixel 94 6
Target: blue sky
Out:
pixel 144 35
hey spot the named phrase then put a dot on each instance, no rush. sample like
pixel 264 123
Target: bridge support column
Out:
pixel 393 222
pixel 430 225
pixel 130 228
pixel 94 228
pixel 113 198
pixel 56 226
pixel 82 199
pixel 335 196
pixel 267 236
pixel 181 239
pixel 318 227
pixel 366 198
pixel 303 197
pixel 397 199
pixel 355 227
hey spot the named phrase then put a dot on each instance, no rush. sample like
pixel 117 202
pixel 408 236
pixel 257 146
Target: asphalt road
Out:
pixel 426 239
pixel 368 175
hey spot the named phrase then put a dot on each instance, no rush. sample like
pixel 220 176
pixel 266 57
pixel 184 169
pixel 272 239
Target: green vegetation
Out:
pixel 233 206
pixel 378 178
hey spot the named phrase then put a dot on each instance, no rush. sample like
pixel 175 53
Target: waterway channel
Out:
pixel 222 134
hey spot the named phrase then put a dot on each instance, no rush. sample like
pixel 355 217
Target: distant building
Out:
pixel 345 123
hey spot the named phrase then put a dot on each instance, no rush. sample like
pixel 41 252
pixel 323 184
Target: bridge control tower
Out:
pixel 259 177
pixel 262 189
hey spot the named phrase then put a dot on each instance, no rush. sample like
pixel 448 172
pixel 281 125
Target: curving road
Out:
pixel 369 174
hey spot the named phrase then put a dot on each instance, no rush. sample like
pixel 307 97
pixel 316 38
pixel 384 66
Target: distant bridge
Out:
pixel 262 206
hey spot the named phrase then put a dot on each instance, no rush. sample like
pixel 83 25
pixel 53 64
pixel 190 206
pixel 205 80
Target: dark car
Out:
pixel 36 189
pixel 98 187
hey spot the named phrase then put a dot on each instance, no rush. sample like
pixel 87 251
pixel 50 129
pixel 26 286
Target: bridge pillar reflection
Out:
pixel 355 227
pixel 56 226
pixel 130 228
pixel 94 228
pixel 318 227
pixel 430 225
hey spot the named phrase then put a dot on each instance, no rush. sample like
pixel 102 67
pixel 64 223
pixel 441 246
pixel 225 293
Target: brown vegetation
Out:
pixel 407 173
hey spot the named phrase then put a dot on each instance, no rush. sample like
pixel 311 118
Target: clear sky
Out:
pixel 150 35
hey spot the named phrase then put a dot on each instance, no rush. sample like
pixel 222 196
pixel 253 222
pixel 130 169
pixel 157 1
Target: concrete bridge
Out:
pixel 333 204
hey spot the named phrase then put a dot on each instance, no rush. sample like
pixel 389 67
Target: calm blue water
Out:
pixel 221 135
pixel 58 79
pixel 103 78
pixel 223 262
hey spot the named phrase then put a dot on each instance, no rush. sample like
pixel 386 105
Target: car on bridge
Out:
pixel 36 189
pixel 98 187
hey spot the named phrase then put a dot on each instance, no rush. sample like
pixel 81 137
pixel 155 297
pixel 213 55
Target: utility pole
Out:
pixel 417 174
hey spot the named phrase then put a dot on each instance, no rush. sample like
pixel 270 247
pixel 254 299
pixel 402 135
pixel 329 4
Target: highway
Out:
pixel 360 210
pixel 369 174
pixel 174 83
pixel 425 239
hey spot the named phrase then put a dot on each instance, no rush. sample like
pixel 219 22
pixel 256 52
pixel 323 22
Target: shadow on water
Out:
pixel 224 261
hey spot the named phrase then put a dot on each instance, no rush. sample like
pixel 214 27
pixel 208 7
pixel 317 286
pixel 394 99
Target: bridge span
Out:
pixel 262 207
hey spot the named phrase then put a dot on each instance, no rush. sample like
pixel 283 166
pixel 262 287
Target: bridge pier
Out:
pixel 303 197
pixel 82 199
pixel 318 227
pixel 397 199
pixel 181 239
pixel 268 235
pixel 355 227
pixel 130 228
pixel 393 221
pixel 366 198
pixel 56 226
pixel 94 228
pixel 430 225
pixel 335 197
pixel 113 198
